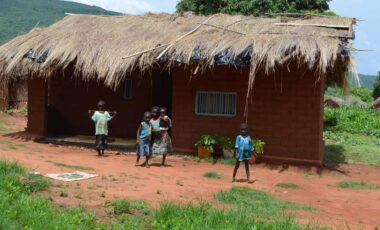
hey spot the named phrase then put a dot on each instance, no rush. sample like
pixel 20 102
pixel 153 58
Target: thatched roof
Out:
pixel 94 46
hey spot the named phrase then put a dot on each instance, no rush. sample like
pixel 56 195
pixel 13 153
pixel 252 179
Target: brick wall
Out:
pixel 285 111
pixel 69 101
pixel 37 110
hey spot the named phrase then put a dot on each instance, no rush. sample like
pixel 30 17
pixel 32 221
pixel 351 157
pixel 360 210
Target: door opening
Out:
pixel 162 90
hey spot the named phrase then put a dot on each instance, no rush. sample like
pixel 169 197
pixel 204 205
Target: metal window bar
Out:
pixel 214 103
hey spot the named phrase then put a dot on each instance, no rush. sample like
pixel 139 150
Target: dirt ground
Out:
pixel 183 181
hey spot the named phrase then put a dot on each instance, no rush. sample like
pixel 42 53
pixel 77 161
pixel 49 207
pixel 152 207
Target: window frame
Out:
pixel 214 114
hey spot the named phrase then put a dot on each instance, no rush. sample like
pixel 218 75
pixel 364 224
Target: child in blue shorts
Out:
pixel 243 151
pixel 143 138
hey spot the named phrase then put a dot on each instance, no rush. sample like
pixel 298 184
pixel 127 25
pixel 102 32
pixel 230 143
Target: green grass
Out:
pixel 343 147
pixel 71 166
pixel 34 183
pixel 214 175
pixel 12 146
pixel 353 120
pixel 125 206
pixel 63 193
pixel 357 185
pixel 204 216
pixel 224 161
pixel 20 210
pixel 288 185
pixel 259 203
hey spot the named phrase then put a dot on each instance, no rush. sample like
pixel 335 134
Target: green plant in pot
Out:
pixel 258 149
pixel 225 144
pixel 206 145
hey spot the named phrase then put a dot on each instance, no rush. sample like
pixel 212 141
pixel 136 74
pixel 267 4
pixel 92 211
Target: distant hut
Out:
pixel 212 73
pixel 13 93
pixel 334 102
pixel 376 104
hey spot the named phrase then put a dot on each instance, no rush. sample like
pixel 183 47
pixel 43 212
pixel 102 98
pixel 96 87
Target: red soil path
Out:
pixel 183 181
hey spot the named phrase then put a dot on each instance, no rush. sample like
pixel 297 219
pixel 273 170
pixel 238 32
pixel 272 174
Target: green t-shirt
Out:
pixel 101 122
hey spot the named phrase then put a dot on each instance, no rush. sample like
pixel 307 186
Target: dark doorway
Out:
pixel 162 90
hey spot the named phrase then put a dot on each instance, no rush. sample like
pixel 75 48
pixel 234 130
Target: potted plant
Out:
pixel 206 145
pixel 226 145
pixel 258 149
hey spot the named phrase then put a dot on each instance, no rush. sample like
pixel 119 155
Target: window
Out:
pixel 128 89
pixel 215 103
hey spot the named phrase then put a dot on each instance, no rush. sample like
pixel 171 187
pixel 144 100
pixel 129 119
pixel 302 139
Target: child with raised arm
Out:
pixel 101 119
pixel 243 151
pixel 143 137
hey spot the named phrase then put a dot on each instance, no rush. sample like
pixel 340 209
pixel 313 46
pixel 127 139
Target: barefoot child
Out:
pixel 101 119
pixel 143 138
pixel 243 151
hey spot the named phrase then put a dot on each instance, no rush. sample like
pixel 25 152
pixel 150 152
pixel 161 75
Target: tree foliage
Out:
pixel 363 93
pixel 376 87
pixel 252 7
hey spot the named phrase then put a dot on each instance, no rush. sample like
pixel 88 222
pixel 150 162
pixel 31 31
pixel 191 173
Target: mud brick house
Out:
pixel 212 73
pixel 13 93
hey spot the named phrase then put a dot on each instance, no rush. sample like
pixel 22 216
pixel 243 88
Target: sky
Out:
pixel 367 29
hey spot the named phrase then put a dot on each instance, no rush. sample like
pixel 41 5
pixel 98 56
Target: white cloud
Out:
pixel 123 6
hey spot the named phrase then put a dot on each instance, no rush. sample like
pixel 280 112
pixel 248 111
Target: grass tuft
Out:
pixel 214 175
pixel 124 206
pixel 288 185
pixel 72 166
pixel 260 203
pixel 358 185
pixel 63 193
pixel 34 183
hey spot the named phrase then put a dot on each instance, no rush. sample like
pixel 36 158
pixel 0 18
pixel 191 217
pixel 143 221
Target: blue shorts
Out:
pixel 243 155
pixel 144 148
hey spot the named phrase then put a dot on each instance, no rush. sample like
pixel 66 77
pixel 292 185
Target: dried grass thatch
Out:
pixel 94 46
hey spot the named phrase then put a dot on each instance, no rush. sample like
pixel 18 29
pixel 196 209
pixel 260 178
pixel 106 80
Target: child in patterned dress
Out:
pixel 243 151
pixel 143 137
pixel 101 119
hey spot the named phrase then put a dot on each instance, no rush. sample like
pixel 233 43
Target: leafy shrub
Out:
pixel 363 93
pixel 376 87
pixel 353 120
pixel 259 146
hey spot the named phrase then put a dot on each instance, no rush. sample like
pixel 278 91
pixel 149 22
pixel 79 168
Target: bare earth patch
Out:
pixel 184 181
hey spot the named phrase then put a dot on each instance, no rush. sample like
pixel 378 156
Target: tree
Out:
pixel 376 87
pixel 252 7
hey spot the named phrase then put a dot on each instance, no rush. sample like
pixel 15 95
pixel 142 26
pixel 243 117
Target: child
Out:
pixel 161 124
pixel 243 151
pixel 101 119
pixel 143 137
pixel 165 121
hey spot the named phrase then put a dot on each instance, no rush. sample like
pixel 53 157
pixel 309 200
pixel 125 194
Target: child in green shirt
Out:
pixel 101 119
